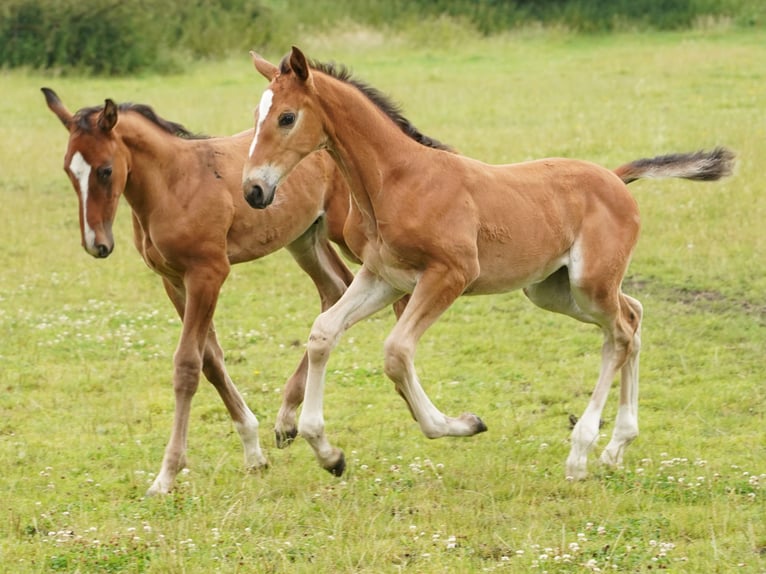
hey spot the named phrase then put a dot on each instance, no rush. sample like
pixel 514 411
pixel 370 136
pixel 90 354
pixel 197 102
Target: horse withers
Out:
pixel 438 225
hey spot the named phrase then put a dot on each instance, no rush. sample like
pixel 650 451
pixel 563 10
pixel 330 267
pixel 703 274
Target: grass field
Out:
pixel 86 346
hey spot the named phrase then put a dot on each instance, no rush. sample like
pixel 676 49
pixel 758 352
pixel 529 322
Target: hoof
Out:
pixel 256 468
pixel 576 469
pixel 285 438
pixel 471 425
pixel 155 491
pixel 338 468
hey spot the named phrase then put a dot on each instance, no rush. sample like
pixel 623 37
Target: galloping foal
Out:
pixel 190 223
pixel 439 225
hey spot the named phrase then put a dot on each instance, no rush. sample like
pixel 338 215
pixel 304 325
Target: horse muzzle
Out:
pixel 100 245
pixel 258 194
pixel 100 250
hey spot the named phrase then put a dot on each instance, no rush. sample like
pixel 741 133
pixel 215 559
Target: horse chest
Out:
pixel 158 257
pixel 389 266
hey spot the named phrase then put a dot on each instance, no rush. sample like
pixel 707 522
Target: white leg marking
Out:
pixel 248 432
pixel 626 425
pixel 585 432
pixel 81 170
pixel 366 295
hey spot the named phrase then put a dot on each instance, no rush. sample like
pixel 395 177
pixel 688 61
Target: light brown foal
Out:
pixel 190 223
pixel 439 225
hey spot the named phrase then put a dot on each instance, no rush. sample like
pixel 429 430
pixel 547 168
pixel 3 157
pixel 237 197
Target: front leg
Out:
pixel 435 291
pixel 187 365
pixel 316 256
pixel 366 295
pixel 194 298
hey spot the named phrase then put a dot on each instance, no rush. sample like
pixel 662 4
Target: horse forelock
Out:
pixel 379 99
pixel 84 120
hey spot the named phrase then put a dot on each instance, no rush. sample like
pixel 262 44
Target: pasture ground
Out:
pixel 86 346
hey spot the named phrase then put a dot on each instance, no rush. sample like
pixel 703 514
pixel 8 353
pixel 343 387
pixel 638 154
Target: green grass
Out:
pixel 86 347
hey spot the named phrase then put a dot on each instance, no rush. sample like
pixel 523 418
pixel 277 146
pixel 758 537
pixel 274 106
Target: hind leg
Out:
pixel 626 425
pixel 619 318
pixel 245 422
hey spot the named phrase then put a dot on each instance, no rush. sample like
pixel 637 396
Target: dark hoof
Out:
pixel 338 468
pixel 285 439
pixel 480 426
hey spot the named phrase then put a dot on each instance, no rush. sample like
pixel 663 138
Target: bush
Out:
pixel 97 36
pixel 493 16
pixel 109 37
pixel 122 37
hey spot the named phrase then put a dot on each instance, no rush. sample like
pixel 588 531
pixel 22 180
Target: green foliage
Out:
pixel 108 37
pixel 493 16
pixel 96 36
pixel 105 37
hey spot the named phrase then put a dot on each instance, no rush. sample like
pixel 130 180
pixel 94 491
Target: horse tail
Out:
pixel 698 166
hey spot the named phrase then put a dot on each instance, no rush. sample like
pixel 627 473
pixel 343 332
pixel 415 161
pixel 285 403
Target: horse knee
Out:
pixel 321 342
pixel 186 373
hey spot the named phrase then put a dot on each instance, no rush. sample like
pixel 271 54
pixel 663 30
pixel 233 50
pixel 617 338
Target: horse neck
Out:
pixel 364 142
pixel 151 151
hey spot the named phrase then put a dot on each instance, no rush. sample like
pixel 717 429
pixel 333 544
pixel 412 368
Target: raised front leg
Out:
pixel 316 256
pixel 434 293
pixel 366 295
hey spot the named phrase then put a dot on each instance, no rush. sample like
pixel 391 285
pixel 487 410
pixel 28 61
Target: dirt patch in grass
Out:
pixel 700 299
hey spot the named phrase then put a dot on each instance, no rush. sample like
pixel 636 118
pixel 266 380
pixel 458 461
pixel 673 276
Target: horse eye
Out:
pixel 286 119
pixel 104 173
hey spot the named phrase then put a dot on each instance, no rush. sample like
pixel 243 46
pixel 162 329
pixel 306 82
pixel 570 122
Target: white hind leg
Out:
pixel 619 352
pixel 626 425
pixel 619 317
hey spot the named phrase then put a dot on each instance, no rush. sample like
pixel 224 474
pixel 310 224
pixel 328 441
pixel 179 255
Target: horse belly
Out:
pixel 500 273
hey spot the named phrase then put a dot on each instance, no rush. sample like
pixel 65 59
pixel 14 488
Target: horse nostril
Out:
pixel 103 250
pixel 255 196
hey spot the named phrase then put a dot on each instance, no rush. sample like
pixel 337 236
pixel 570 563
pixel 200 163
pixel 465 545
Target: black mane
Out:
pixel 383 102
pixel 84 116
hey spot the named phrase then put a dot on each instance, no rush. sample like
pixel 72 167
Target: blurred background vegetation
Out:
pixel 119 37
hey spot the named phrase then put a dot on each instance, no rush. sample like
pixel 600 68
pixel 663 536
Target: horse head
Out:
pixel 96 168
pixel 288 127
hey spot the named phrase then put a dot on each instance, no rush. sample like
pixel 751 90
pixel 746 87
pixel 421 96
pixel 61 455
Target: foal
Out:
pixel 190 223
pixel 439 225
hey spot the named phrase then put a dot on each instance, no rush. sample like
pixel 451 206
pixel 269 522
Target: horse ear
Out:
pixel 266 68
pixel 57 107
pixel 107 119
pixel 299 64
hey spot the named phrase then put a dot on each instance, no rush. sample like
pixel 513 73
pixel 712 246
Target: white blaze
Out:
pixel 263 111
pixel 81 170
